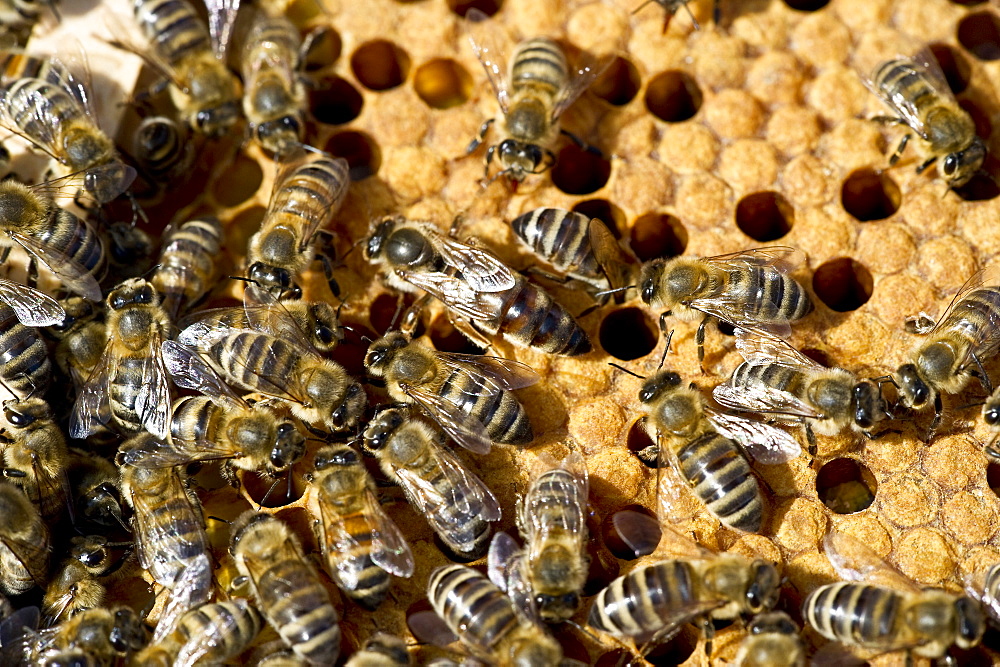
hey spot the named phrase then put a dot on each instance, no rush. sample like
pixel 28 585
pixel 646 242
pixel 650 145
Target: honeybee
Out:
pixel 381 650
pixel 65 244
pixel 32 307
pixel 748 289
pixel 361 544
pixel 308 192
pixel 469 396
pixel 916 91
pixel 533 95
pixel 130 250
pixel 24 542
pixel 77 585
pixel 25 369
pixel 877 607
pixel 547 577
pixel 779 381
pixel 209 634
pixel 486 621
pixel 80 339
pixel 97 496
pixel 22 14
pixel 129 385
pixel 163 150
pixel 192 59
pixel 650 604
pixel 455 502
pixel 273 97
pixel 35 456
pixel 287 588
pixel 476 286
pixel 953 349
pixel 274 358
pixel 187 267
pixel 671 7
pixel 96 636
pixel 772 640
pixel 46 104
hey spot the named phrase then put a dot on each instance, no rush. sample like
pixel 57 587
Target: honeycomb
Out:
pixel 744 133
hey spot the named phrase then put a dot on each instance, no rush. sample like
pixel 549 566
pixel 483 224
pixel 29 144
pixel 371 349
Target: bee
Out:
pixel 80 339
pixel 187 268
pixel 22 14
pixel 953 349
pixel 274 98
pixel 455 502
pixel 381 650
pixel 650 604
pixel 778 381
pixel 486 621
pixel 773 640
pixel 24 543
pixel 361 544
pixel 476 286
pixel 287 588
pixel 25 369
pixel 32 307
pixel 49 106
pixel 991 417
pixel 130 250
pixel 77 585
pixel 308 192
pixel 96 636
pixel 547 577
pixel 274 358
pixel 192 59
pixel 916 91
pixel 163 150
pixel 65 244
pixel 533 95
pixel 671 7
pixel 469 396
pixel 129 385
pixel 877 607
pixel 210 634
pixel 35 455
pixel 577 246
pixel 748 289
pixel 95 488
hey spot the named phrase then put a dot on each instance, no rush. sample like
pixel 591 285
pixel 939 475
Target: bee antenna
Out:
pixel 263 500
pixel 214 518
pixel 666 348
pixel 616 289
pixel 622 368
pixel 636 10
pixel 694 21
pixel 244 279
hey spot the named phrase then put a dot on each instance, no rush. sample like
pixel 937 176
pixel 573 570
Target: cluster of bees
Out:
pixel 261 390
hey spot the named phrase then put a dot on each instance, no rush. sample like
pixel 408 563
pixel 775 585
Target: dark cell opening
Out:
pixel 631 532
pixel 868 195
pixel 843 284
pixel 603 210
pixel 677 651
pixel 657 235
pixel 807 5
pixel 979 33
pixel 618 84
pixel 442 83
pixel 241 182
pixel 268 492
pixel 846 486
pixel 819 356
pixel 641 444
pixel 335 101
pixel 993 476
pixel 447 338
pixel 360 150
pixel 628 333
pixel 764 216
pixel 387 310
pixel 983 184
pixel 955 68
pixel 322 50
pixel 725 328
pixel 579 171
pixel 673 96
pixel 488 7
pixel 380 65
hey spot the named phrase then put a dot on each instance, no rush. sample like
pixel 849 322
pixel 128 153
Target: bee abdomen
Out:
pixel 468 601
pixel 772 296
pixel 187 263
pixel 721 477
pixel 247 358
pixel 636 604
pixel 560 237
pixel 504 417
pixel 372 582
pixel 173 27
pixel 299 608
pixel 549 501
pixel 24 360
pixel 161 148
pixel 195 418
pixel 37 105
pixel 852 613
pixel 69 235
pixel 538 63
pixel 227 627
pixel 775 376
pixel 898 75
pixel 533 319
pixel 978 309
pixel 126 384
pixel 313 190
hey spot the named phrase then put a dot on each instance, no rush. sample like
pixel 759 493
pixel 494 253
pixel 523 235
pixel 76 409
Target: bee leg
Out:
pixel 325 252
pixel 927 163
pixel 699 339
pixel 709 630
pixel 582 144
pixel 227 473
pixel 650 456
pixel 984 377
pixel 475 143
pixel 489 160
pixel 938 408
pixel 810 440
pixel 898 153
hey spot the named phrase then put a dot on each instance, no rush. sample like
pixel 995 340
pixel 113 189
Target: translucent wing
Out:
pixel 757 349
pixel 73 275
pixel 923 66
pixel 783 258
pixel 156 453
pixel 305 178
pixel 985 338
pixel 221 18
pixel 460 426
pixel 32 307
pixel 192 588
pixel 481 269
pixel 855 561
pixel 502 373
pixel 985 587
pixel 212 635
pixel 678 617
pixel 340 547
pixel 556 502
pixel 585 75
pixel 454 292
pixel 389 548
pixel 157 541
pixel 765 443
pixel 152 403
pixel 71 72
pixel 30 106
pixel 502 553
pixel 266 59
pixel 30 556
pixel 91 408
pixel 617 264
pixel 640 532
pixel 488 49
pixel 190 371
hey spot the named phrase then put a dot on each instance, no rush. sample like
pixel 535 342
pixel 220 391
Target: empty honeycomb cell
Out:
pixel 380 65
pixel 925 555
pixel 360 151
pixel 657 235
pixel 613 658
pixel 447 338
pixel 946 262
pixel 970 519
pixel 983 185
pixel 801 524
pixel 805 181
pixel 820 39
pixel 888 248
pixel 323 50
pixel 979 34
pixel 842 284
pixel 244 225
pixel 442 83
pixel 642 184
pixel 764 216
pixel 628 333
pixel 631 532
pixel 869 194
pixel 461 7
pixel 776 78
pixel 703 199
pixel 618 84
pixel 246 176
pixel 386 309
pixel 807 5
pixel 793 129
pixel 673 96
pixel 580 172
pixel 688 147
pixel 677 651
pixel 908 500
pixel 734 114
pixel 335 101
pixel 993 476
pixel 604 211
pixel 954 66
pixel 846 486
pixel 749 164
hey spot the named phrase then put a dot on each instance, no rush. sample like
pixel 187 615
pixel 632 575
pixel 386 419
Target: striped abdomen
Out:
pixel 639 603
pixel 475 609
pixel 553 501
pixel 306 199
pixel 539 65
pixel 767 294
pixel 371 582
pixel 776 376
pixel 66 235
pixel 972 317
pixel 852 613
pixel 249 359
pixel 187 263
pixel 25 368
pixel 162 149
pixel 24 542
pixel 177 540
pixel 499 411
pixel 721 477
pixel 173 27
pixel 561 238
pixel 17 13
pixel 42 110
pixel 217 631
pixel 273 100
pixel 903 78
pixel 196 418
pixel 528 316
pixel 128 380
pixel 298 607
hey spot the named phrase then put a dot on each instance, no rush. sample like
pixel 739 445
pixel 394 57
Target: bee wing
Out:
pixel 266 59
pixel 502 553
pixel 190 371
pixel 783 258
pixel 763 401
pixel 27 554
pixel 480 268
pixel 985 338
pixel 855 561
pixel 585 75
pixel 978 587
pixel 72 73
pixel 573 519
pixel 756 349
pixel 73 275
pixel 461 490
pixel 192 588
pixel 221 18
pixel 503 373
pixel 32 307
pixel 335 538
pixel 460 426
pixel 677 617
pixel 212 635
pixel 923 63
pixel 151 535
pixel 389 548
pixel 765 443
pixel 170 452
pixel 91 408
pixel 617 263
pixel 43 120
pixel 268 315
pixel 152 403
pixel 483 35
pixel 455 293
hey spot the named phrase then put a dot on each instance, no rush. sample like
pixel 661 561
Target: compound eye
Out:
pixel 950 164
pixel 16 418
pixel 991 416
pixel 648 290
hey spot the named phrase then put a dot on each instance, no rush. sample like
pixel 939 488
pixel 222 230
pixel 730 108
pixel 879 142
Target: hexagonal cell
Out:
pixel 869 194
pixel 846 486
pixel 380 65
pixel 604 211
pixel 641 444
pixel 843 284
pixel 658 235
pixel 442 83
pixel 335 101
pixel 488 7
pixel 979 33
pixel 447 338
pixel 628 333
pixel 245 177
pixel 953 65
pixel 673 96
pixel 359 149
pixel 619 83
pixel 807 5
pixel 579 172
pixel 276 492
pixel 764 216
pixel 983 185
pixel 322 48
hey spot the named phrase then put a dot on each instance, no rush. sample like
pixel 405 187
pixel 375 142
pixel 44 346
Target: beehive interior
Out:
pixel 750 132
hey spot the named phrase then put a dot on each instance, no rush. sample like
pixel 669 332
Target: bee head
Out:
pixel 958 167
pixel 326 329
pixel 557 608
pixel 103 505
pixel 280 134
pixel 373 248
pixel 658 384
pixel 912 388
pixel 246 524
pixel 970 621
pixel 518 159
pixel 133 292
pixel 381 351
pixel 381 428
pixel 216 121
pixel 345 414
pixel 649 280
pixel 25 413
pixel 772 623
pixel 868 405
pixel 77 308
pixel 289 446
pixel 764 589
pixel 127 634
pixel 991 412
pixel 341 456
